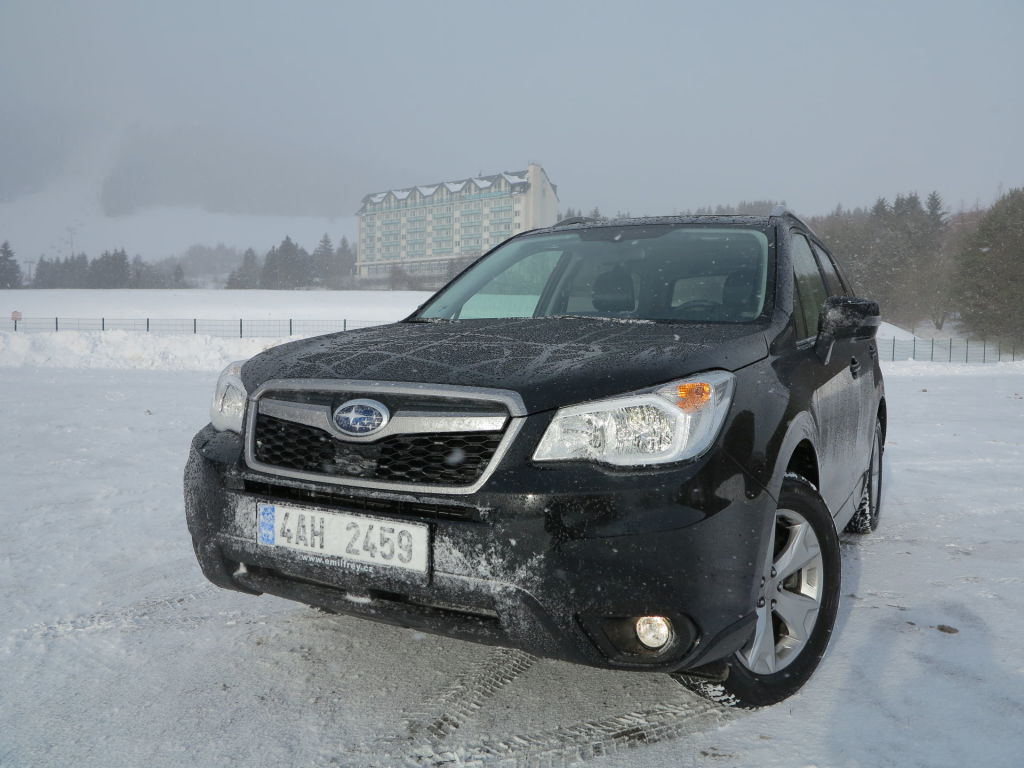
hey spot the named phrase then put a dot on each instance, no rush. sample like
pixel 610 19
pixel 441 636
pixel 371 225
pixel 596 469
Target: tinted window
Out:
pixel 832 281
pixel 810 288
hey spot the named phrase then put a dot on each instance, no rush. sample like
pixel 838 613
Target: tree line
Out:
pixel 921 262
pixel 290 266
pixel 111 269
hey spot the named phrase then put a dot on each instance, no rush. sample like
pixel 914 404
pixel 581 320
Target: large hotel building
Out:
pixel 424 229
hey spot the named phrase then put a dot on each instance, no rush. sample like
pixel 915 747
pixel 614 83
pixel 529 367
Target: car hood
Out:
pixel 550 362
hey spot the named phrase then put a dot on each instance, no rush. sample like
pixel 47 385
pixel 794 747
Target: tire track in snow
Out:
pixel 579 742
pixel 157 611
pixel 445 713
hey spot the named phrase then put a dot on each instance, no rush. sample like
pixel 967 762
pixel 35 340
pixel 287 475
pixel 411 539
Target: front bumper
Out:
pixel 557 574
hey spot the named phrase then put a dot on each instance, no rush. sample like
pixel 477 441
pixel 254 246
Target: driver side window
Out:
pixel 810 293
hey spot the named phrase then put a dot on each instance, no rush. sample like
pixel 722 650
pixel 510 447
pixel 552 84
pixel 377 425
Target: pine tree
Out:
pixel 10 269
pixel 270 275
pixel 344 265
pixel 323 258
pixel 248 273
pixel 991 271
pixel 110 270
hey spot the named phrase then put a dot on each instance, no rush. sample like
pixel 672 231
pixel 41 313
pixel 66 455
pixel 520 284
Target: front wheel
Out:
pixel 798 596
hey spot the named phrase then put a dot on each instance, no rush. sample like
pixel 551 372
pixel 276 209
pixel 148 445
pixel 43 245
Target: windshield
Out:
pixel 685 273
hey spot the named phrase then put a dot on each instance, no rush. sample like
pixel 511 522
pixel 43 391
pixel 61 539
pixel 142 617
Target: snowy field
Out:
pixel 379 306
pixel 114 651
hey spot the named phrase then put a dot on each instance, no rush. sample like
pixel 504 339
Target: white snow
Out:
pixel 369 306
pixel 114 651
pixel 890 331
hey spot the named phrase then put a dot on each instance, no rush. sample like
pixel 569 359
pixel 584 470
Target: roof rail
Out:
pixel 781 210
pixel 576 220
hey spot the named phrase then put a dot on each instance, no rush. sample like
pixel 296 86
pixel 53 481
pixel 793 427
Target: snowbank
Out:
pixel 125 350
pixel 372 306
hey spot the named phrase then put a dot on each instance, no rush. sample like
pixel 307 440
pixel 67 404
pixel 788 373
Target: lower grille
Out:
pixel 431 459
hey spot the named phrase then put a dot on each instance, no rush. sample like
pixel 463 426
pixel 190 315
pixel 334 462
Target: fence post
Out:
pixel 15 326
pixel 893 358
pixel 56 323
pixel 344 325
pixel 289 326
pixel 239 327
pixel 967 352
pixel 103 323
pixel 999 350
pixel 984 350
pixel 933 349
pixel 147 325
pixel 194 331
pixel 951 350
pixel 913 355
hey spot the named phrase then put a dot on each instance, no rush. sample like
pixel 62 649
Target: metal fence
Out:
pixel 239 329
pixel 949 350
pixel 935 350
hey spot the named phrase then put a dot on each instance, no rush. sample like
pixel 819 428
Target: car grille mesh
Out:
pixel 423 459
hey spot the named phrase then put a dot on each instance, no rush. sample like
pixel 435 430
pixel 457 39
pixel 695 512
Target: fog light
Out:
pixel 653 631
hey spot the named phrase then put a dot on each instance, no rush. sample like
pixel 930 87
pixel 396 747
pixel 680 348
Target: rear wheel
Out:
pixel 798 596
pixel 865 519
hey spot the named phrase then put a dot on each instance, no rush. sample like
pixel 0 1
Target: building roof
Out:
pixel 428 190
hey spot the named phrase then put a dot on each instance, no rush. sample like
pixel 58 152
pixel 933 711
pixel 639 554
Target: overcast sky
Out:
pixel 647 107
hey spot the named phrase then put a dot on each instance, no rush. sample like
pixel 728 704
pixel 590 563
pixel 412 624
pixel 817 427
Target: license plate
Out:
pixel 357 538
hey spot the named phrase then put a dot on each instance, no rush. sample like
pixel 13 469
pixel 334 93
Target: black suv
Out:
pixel 625 443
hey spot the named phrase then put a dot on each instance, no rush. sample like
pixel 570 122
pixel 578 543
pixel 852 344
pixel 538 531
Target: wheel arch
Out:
pixel 798 453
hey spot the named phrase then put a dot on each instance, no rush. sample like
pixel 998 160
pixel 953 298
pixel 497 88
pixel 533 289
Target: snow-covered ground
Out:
pixel 381 306
pixel 114 651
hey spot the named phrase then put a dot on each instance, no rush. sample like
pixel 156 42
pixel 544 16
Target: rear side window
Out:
pixel 810 288
pixel 832 281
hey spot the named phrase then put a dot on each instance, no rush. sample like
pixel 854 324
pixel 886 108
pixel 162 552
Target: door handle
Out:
pixel 854 367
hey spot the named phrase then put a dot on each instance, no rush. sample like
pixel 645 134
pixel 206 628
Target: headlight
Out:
pixel 228 405
pixel 679 420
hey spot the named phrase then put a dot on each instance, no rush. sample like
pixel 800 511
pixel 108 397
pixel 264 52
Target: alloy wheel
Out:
pixel 789 597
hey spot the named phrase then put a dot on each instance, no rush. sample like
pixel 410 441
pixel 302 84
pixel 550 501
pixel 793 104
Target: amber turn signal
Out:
pixel 693 396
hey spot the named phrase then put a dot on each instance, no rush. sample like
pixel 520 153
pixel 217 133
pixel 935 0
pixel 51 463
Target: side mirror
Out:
pixel 845 317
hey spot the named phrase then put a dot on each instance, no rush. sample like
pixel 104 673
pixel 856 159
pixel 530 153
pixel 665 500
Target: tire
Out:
pixel 800 586
pixel 865 519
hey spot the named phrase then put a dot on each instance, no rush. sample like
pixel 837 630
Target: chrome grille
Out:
pixel 440 438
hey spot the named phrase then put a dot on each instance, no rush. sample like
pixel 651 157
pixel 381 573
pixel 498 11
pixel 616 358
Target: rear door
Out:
pixel 836 391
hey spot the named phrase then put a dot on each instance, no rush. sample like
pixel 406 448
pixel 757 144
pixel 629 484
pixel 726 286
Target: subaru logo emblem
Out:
pixel 361 417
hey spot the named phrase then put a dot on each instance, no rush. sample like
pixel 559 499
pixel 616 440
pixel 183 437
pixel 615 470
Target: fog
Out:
pixel 300 109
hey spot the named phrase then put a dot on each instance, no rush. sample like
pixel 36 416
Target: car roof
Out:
pixel 581 222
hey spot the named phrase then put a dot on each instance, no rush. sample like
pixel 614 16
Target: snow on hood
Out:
pixel 550 362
